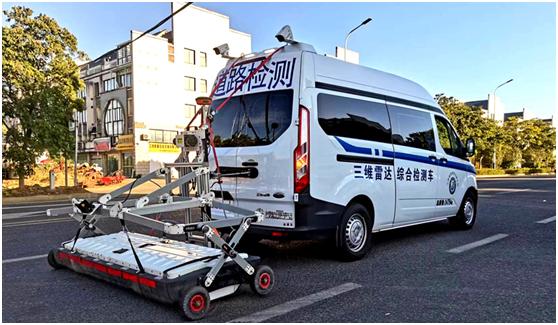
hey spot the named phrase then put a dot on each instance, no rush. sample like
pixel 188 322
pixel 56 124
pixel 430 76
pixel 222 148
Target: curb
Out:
pixel 47 198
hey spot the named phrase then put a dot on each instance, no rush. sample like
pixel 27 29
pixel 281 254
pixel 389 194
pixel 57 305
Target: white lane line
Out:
pixel 547 220
pixel 35 206
pixel 20 259
pixel 8 216
pixel 505 189
pixel 38 222
pixel 289 306
pixel 478 243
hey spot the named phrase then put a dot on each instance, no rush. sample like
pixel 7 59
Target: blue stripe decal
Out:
pixel 426 160
pixel 406 156
pixel 354 149
pixel 456 165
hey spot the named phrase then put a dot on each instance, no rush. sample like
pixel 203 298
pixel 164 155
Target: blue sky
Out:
pixel 461 49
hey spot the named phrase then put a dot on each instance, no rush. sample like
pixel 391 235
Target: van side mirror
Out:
pixel 470 147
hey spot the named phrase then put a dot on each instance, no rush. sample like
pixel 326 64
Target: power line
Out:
pixel 157 25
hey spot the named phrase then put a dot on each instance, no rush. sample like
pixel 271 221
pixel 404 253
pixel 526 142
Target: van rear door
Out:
pixel 259 123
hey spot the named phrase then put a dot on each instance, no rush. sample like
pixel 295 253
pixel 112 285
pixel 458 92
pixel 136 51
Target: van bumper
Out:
pixel 314 219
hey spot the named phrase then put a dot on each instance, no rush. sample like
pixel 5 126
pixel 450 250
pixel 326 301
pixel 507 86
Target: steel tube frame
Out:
pixel 128 187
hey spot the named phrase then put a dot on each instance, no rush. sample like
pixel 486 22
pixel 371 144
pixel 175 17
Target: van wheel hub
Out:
pixel 355 232
pixel 469 211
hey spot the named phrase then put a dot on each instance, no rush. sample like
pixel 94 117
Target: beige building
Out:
pixel 138 96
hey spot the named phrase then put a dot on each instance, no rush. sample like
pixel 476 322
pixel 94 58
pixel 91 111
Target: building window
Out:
pixel 114 118
pixel 203 59
pixel 190 83
pixel 82 93
pixel 109 84
pixel 203 85
pixel 190 111
pixel 81 118
pixel 162 136
pixel 125 80
pixel 189 56
pixel 124 54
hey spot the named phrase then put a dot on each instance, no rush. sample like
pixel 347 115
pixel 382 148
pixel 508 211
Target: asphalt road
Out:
pixel 418 274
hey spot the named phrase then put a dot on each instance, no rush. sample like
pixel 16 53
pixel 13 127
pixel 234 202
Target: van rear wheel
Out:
pixel 354 233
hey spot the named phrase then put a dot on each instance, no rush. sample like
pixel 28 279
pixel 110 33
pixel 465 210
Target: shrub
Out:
pixel 490 171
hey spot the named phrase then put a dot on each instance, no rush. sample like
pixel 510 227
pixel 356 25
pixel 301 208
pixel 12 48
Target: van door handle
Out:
pixel 433 158
pixel 443 161
pixel 250 163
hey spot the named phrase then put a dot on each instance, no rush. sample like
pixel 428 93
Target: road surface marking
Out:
pixel 21 259
pixel 504 189
pixel 292 305
pixel 476 244
pixel 38 222
pixel 8 216
pixel 547 220
pixel 498 179
pixel 35 206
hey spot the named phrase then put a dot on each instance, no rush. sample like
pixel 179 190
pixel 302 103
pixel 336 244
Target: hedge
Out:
pixel 516 171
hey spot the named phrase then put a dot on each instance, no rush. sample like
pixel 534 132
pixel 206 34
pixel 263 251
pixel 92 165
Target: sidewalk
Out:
pixel 93 193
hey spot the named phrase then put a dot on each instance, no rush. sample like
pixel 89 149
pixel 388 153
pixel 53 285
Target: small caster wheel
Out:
pixel 263 280
pixel 52 260
pixel 195 303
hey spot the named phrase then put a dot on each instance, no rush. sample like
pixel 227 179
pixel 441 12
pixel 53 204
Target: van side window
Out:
pixel 448 138
pixel 412 128
pixel 353 118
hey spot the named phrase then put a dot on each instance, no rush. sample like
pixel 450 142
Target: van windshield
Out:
pixel 252 119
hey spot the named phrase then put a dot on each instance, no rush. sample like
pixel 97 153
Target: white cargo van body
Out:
pixel 318 138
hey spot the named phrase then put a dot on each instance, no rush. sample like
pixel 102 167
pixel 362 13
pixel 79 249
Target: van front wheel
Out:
pixel 467 215
pixel 354 233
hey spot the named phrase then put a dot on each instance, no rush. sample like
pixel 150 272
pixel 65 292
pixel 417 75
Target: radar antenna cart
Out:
pixel 167 270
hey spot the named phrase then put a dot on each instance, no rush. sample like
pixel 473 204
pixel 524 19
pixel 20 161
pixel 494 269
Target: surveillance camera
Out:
pixel 285 35
pixel 222 49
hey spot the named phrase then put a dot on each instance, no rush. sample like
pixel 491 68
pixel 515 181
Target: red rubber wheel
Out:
pixel 195 303
pixel 263 280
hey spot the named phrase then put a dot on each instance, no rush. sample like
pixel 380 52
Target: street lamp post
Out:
pixel 76 150
pixel 349 34
pixel 494 117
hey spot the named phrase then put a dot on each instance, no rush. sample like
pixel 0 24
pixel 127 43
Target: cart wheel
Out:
pixel 52 261
pixel 195 303
pixel 263 280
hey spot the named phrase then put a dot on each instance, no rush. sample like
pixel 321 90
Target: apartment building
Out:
pixel 139 95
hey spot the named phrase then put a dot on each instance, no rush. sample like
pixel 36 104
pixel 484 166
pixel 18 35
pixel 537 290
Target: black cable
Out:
pixel 130 190
pixel 155 183
pixel 136 257
pixel 151 29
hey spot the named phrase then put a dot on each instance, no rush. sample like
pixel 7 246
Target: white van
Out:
pixel 333 149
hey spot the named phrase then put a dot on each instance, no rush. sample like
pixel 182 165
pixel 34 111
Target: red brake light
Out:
pixel 302 151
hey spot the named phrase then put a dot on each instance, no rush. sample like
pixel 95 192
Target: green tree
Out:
pixel 470 123
pixel 529 143
pixel 40 80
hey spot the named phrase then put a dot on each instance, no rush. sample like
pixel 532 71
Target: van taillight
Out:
pixel 302 151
